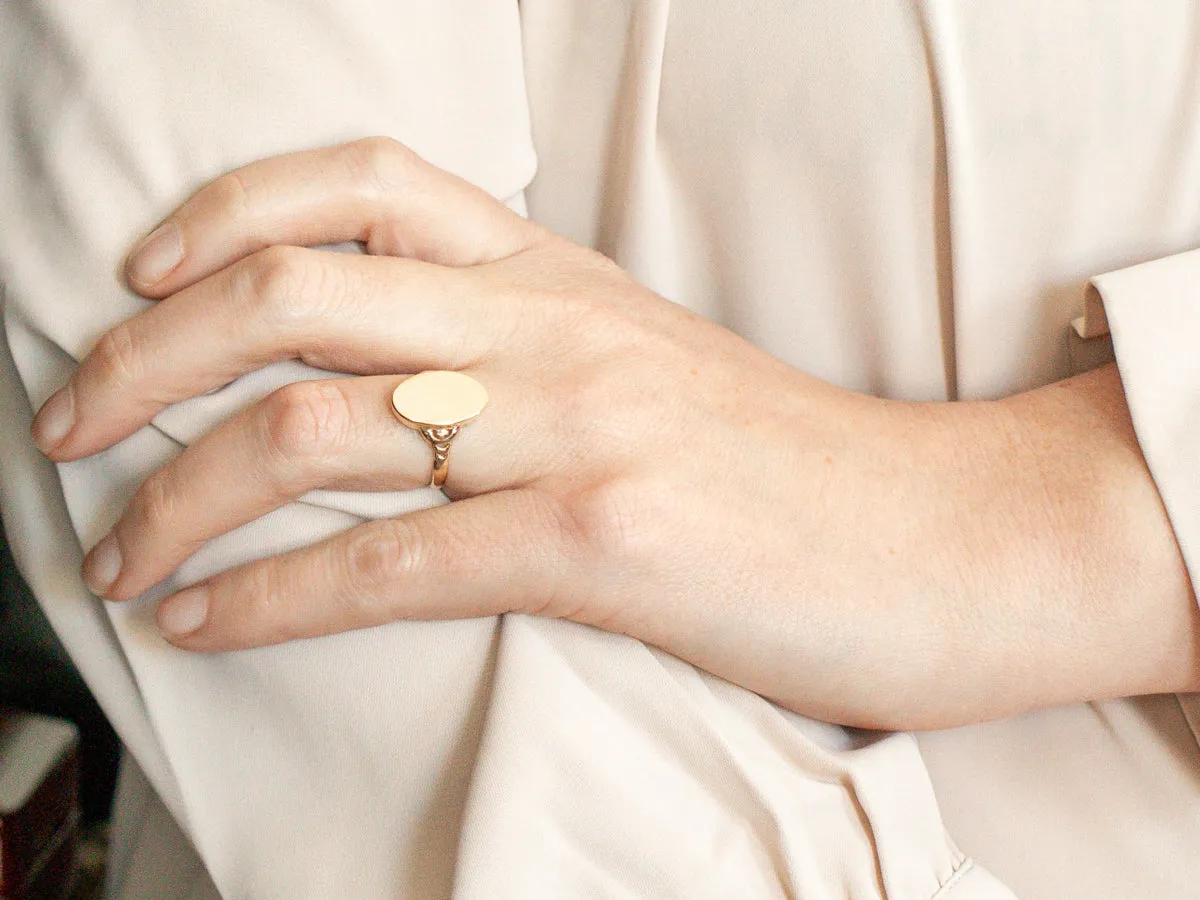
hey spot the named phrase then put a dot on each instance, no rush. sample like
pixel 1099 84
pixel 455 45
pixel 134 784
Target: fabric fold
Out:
pixel 1153 311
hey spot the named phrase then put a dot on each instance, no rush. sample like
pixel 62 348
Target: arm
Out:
pixel 1062 577
pixel 640 469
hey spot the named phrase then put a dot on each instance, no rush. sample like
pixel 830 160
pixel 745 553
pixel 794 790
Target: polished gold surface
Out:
pixel 437 404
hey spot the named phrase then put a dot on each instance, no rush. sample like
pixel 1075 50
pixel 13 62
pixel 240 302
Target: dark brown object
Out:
pixel 39 806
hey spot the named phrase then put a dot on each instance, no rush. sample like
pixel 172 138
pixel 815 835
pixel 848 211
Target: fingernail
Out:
pixel 103 564
pixel 156 256
pixel 54 420
pixel 184 613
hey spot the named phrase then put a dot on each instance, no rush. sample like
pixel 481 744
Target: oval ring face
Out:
pixel 438 399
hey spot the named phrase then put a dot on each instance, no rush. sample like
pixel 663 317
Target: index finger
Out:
pixel 374 190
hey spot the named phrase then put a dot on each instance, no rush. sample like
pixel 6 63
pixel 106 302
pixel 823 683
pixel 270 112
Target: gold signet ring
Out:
pixel 437 404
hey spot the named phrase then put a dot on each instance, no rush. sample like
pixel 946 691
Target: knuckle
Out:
pixel 155 503
pixel 567 312
pixel 117 357
pixel 379 162
pixel 280 284
pixel 616 520
pixel 385 552
pixel 258 598
pixel 602 408
pixel 258 605
pixel 593 391
pixel 575 285
pixel 307 419
pixel 558 298
pixel 231 194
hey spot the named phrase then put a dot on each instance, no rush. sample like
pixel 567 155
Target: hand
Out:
pixel 638 468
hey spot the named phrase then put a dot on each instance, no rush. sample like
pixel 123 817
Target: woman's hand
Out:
pixel 638 468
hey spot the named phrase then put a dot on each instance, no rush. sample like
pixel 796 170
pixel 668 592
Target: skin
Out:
pixel 868 562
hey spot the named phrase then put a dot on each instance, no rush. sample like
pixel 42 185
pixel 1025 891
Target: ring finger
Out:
pixel 337 434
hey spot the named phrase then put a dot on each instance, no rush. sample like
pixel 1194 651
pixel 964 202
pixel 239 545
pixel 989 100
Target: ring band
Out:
pixel 437 404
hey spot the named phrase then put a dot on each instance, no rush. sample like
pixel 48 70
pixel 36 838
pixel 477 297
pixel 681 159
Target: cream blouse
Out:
pixel 906 198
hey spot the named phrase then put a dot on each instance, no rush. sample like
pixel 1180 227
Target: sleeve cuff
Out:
pixel 1153 313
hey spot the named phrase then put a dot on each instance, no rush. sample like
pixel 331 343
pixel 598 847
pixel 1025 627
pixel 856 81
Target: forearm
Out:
pixel 1127 586
pixel 1074 587
pixel 974 560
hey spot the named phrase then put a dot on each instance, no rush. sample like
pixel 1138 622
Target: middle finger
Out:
pixel 336 311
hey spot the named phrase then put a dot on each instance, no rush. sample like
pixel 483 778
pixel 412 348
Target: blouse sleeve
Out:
pixel 1153 313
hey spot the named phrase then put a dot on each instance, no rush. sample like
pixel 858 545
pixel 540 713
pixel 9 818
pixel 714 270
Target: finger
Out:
pixel 335 311
pixel 374 190
pixel 338 434
pixel 491 554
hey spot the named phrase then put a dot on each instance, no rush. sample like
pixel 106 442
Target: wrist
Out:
pixel 1041 565
pixel 1126 589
